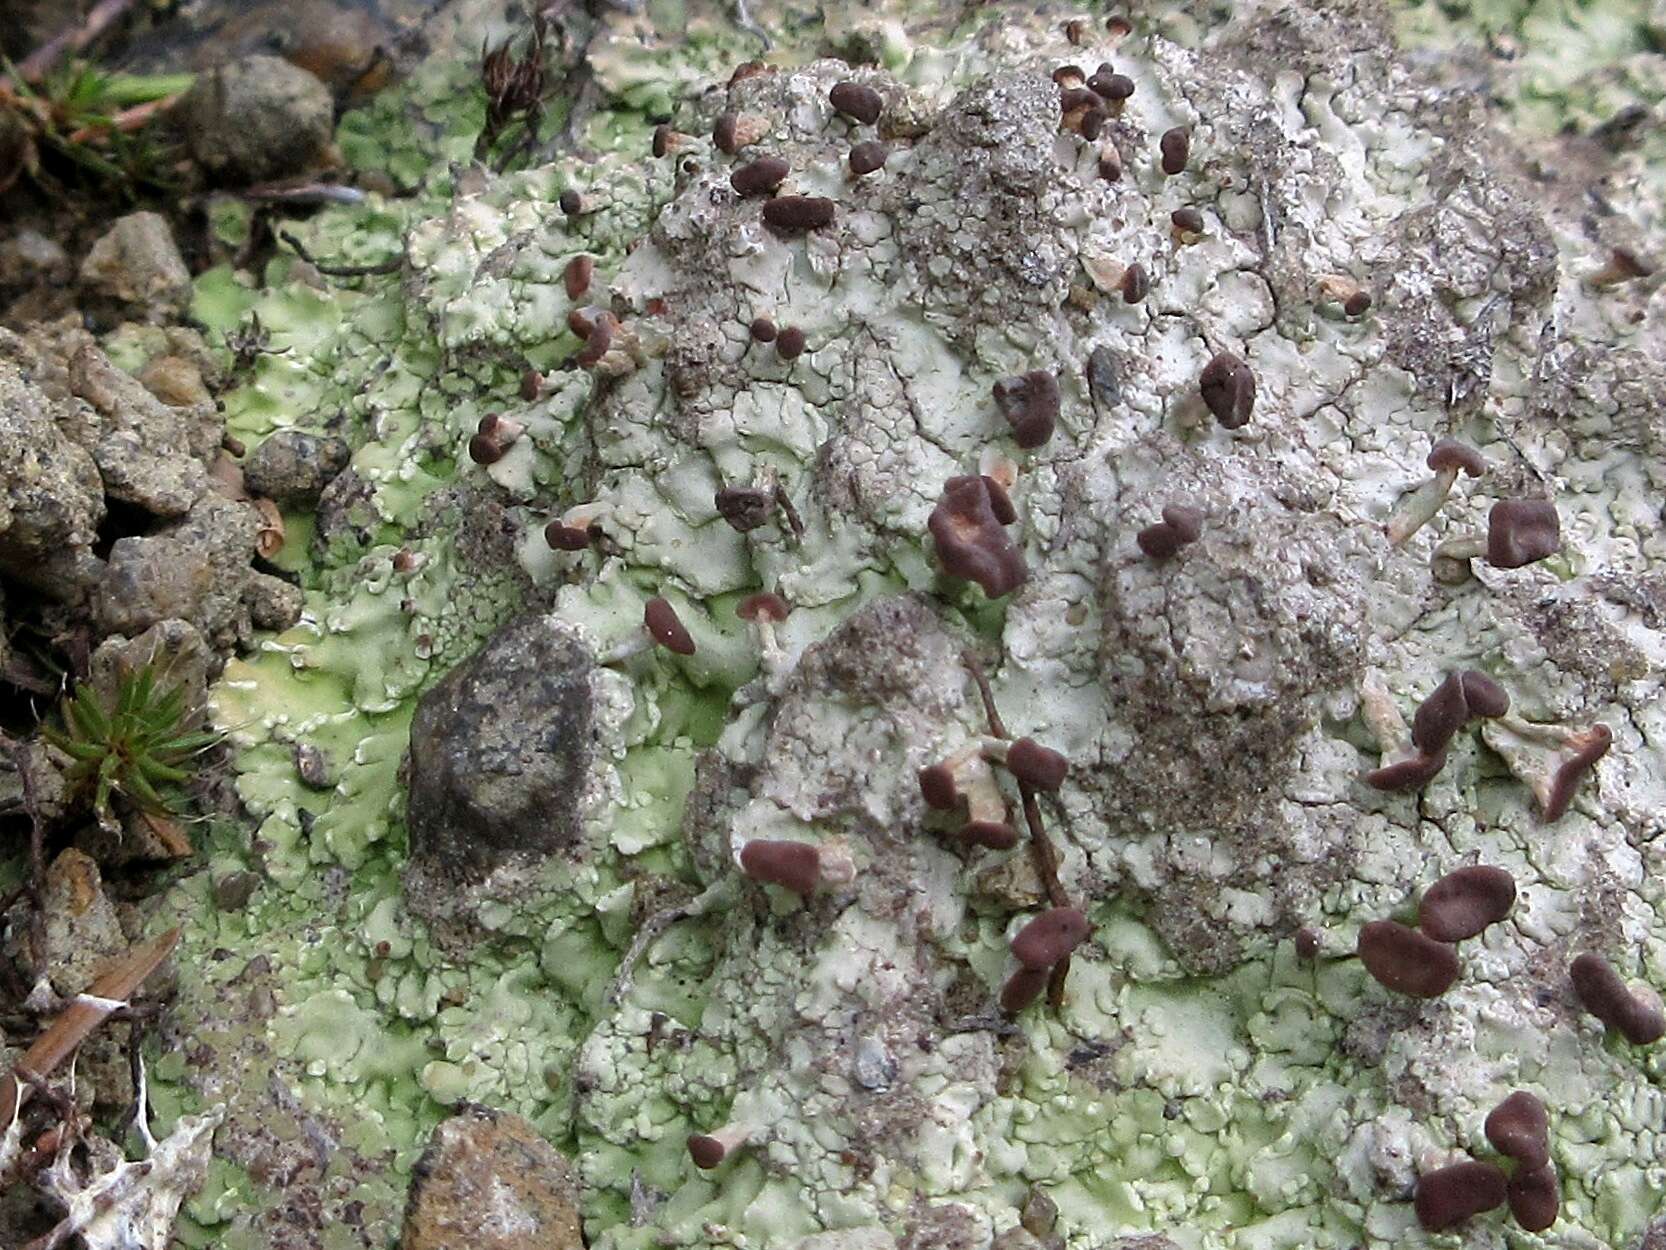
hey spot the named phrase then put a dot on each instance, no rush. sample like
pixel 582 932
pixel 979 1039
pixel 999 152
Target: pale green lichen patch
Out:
pixel 1217 709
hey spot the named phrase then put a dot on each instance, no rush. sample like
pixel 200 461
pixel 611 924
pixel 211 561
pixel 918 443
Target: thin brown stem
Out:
pixel 1055 984
pixel 39 63
pixel 997 727
pixel 392 265
pixel 1042 851
pixel 785 503
pixel 127 121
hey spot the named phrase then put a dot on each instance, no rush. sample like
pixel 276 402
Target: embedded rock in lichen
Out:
pixel 499 753
pixel 294 467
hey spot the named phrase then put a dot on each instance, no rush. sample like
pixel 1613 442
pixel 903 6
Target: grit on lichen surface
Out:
pixel 1201 1082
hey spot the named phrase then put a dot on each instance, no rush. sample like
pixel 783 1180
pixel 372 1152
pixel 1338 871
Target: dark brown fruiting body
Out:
pixel 1228 389
pixel 858 102
pixel 665 626
pixel 598 341
pixel 1184 520
pixel 1307 943
pixel 1110 167
pixel 707 1152
pixel 1518 1127
pixel 1022 988
pixel 723 133
pixel 662 140
pixel 1176 149
pixel 1440 716
pixel 532 385
pixel 1463 903
pixel 970 541
pixel 1589 747
pixel 1069 76
pixel 1030 403
pixel 1449 453
pixel 563 537
pixel 1484 695
pixel 576 277
pixel 1407 774
pixel 1604 994
pixel 744 507
pixel 1357 304
pixel 1461 698
pixel 1136 284
pixel 1187 220
pixel 1000 502
pixel 1111 86
pixel 484 449
pixel 867 157
pixel 766 605
pixel 1159 541
pixel 794 866
pixel 583 320
pixel 760 177
pixel 1050 937
pixel 1535 1197
pixel 1521 532
pixel 1453 1194
pixel 747 69
pixel 763 330
pixel 1180 526
pixel 1406 961
pixel 799 212
pixel 575 203
pixel 1082 110
pixel 790 343
pixel 938 788
pixel 1035 765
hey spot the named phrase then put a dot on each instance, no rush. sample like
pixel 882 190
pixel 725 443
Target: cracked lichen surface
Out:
pixel 1200 1081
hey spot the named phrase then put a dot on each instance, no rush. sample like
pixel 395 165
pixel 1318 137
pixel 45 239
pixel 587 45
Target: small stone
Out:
pixel 488 1181
pixel 312 767
pixel 176 648
pixel 272 602
pixel 257 119
pixel 499 752
pixel 1040 1212
pixel 148 454
pixel 51 495
pixel 137 263
pixel 293 467
pixel 176 381
pixel 82 931
pixel 233 891
pixel 195 569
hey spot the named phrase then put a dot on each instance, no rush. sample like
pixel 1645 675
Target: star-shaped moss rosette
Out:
pixel 134 742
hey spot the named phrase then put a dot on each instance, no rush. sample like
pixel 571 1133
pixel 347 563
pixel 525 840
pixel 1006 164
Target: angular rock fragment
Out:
pixel 489 1181
pixel 499 751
